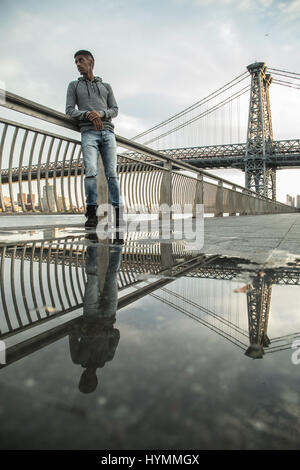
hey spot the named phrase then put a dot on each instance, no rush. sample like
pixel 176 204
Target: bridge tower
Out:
pixel 258 303
pixel 259 176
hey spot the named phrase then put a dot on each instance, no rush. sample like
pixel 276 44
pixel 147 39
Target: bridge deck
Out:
pixel 272 240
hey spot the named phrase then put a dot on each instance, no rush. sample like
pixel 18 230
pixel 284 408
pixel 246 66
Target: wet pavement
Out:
pixel 151 344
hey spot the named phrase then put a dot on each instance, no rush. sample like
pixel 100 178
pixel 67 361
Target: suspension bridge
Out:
pixel 260 156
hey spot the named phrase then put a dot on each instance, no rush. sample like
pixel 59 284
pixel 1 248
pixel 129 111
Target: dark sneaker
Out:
pixel 91 217
pixel 119 240
pixel 92 237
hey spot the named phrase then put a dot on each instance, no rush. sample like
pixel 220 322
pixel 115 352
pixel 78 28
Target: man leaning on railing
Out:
pixel 96 107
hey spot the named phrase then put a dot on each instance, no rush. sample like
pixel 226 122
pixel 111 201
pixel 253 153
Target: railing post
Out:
pixel 232 201
pixel 199 196
pixel 219 200
pixel 256 206
pixel 252 204
pixel 243 202
pixel 166 191
pixel 166 254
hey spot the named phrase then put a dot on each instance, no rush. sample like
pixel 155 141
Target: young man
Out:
pixel 96 107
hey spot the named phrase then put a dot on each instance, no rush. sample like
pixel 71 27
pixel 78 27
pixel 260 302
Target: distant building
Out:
pixel 22 198
pixel 48 203
pixel 290 200
pixel 7 202
pixel 31 199
pixel 30 202
pixel 60 207
pixel 298 201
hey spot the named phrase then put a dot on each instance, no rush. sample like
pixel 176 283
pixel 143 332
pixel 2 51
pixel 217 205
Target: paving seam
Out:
pixel 281 241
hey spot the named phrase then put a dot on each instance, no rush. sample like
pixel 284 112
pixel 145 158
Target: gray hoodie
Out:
pixel 90 95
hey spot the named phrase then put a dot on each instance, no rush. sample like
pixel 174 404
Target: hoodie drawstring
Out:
pixel 98 89
pixel 87 88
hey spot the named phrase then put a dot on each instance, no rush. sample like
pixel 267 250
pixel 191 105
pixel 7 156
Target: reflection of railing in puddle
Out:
pixel 101 276
pixel 51 276
pixel 57 272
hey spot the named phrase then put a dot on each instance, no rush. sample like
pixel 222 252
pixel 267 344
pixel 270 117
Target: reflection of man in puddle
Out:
pixel 93 342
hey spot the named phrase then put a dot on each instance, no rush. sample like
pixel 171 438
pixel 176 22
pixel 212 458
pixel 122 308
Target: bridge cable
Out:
pixel 197 104
pixel 285 75
pixel 203 114
pixel 284 71
pixel 287 84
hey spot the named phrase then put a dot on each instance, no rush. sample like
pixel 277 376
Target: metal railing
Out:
pixel 31 159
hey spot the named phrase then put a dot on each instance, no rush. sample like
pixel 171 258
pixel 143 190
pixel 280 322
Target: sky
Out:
pixel 159 56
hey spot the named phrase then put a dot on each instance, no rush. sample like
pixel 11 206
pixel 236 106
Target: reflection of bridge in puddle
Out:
pixel 49 288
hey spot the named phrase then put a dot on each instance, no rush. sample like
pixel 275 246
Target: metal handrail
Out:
pixel 33 109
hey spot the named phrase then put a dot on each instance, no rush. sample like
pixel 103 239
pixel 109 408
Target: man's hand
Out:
pixel 95 118
pixel 98 124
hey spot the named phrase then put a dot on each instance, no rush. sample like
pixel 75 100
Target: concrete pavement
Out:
pixel 272 240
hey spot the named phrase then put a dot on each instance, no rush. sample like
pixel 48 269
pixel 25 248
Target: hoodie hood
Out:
pixel 96 79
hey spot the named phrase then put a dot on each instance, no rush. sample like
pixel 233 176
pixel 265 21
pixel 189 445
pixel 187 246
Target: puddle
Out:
pixel 173 348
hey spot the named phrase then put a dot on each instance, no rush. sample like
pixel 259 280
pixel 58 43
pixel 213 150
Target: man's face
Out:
pixel 84 64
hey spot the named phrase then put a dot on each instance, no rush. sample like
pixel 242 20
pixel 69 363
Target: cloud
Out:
pixel 127 125
pixel 10 68
pixel 290 8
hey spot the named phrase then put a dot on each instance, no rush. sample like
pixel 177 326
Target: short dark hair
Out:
pixel 84 52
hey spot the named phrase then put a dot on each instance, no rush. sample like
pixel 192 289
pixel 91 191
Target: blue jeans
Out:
pixel 104 304
pixel 91 143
